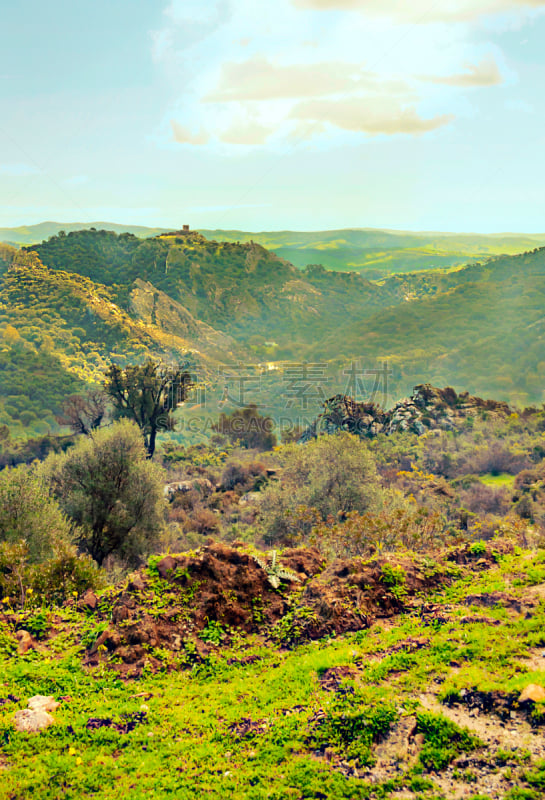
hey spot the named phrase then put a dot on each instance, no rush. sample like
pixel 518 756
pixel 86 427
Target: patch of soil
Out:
pixel 332 679
pixel 350 595
pixel 157 615
pixel 219 584
pixel 248 727
pixel 9 699
pixel 131 721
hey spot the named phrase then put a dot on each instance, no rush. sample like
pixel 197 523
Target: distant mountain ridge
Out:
pixel 33 234
pixel 373 251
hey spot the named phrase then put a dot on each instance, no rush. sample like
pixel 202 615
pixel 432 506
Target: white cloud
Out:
pixel 246 132
pixel 184 136
pixel 486 73
pixel 260 79
pixel 243 73
pixel 373 118
pixel 422 11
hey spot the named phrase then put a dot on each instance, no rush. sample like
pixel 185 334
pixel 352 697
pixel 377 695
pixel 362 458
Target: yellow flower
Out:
pixel 71 751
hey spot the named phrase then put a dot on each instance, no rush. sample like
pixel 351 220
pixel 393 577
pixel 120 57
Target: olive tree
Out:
pixel 111 491
pixel 147 394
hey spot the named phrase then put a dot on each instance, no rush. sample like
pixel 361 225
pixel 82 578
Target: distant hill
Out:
pixel 32 234
pixel 377 253
pixel 480 328
pixel 74 303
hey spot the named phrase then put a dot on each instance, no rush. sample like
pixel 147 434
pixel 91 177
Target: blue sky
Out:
pixel 292 114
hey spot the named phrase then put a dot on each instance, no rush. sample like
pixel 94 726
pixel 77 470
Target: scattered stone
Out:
pixel 532 693
pixel 25 641
pixel 88 602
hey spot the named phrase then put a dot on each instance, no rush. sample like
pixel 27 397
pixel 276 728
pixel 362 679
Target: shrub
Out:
pixel 247 427
pixel 332 475
pixel 29 515
pixel 108 487
pixel 65 575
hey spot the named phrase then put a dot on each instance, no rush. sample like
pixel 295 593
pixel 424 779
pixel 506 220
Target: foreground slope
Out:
pixel 436 695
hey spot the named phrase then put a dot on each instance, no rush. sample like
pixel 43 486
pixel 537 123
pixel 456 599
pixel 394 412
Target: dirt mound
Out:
pixel 351 594
pixel 196 598
pixel 176 611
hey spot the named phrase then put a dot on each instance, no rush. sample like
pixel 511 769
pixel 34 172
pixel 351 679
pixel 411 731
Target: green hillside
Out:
pixel 59 331
pixel 74 303
pixel 482 328
pixel 243 289
pixel 381 252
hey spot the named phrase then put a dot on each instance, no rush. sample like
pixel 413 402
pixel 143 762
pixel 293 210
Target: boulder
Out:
pixel 28 721
pixel 42 702
pixel 36 717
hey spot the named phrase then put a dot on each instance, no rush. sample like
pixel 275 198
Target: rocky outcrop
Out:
pixel 428 408
pixel 155 307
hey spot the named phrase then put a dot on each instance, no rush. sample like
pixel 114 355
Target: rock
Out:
pixel 25 640
pixel 533 693
pixel 88 602
pixel 136 584
pixel 166 566
pixel 41 702
pixel 429 408
pixel 28 721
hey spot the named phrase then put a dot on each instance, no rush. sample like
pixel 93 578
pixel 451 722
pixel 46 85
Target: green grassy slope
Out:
pixel 424 707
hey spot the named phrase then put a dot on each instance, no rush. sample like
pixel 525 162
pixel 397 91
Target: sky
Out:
pixel 274 114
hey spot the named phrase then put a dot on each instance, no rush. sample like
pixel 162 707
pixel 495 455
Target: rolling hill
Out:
pixel 72 304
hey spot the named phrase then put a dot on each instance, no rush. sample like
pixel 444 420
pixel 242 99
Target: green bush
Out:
pixel 331 476
pixel 29 515
pixel 108 487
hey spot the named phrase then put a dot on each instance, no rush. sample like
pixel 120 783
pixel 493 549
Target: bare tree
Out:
pixel 84 413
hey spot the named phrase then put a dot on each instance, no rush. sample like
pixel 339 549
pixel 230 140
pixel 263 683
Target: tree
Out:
pixel 147 394
pixel 83 413
pixel 247 427
pixel 107 487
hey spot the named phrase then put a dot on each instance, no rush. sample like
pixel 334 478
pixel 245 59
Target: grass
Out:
pixel 265 729
pixel 502 481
